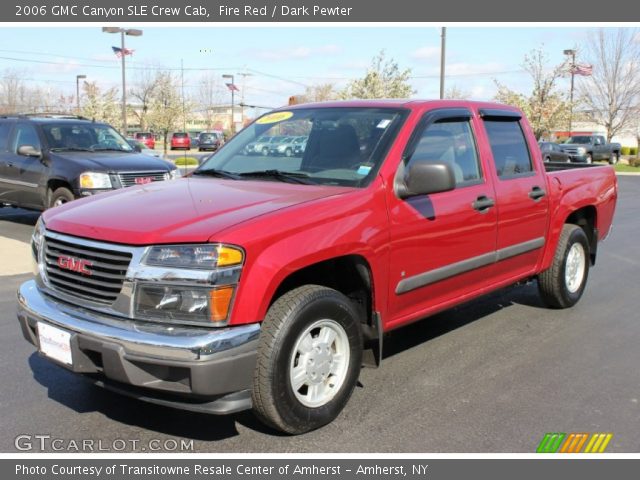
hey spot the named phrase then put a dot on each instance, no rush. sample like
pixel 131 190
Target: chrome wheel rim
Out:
pixel 319 363
pixel 59 201
pixel 575 267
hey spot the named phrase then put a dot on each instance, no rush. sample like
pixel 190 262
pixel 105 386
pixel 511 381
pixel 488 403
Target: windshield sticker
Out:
pixel 274 118
pixel 364 170
pixel 384 123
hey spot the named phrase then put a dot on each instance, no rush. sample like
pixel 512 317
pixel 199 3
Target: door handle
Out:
pixel 483 203
pixel 536 193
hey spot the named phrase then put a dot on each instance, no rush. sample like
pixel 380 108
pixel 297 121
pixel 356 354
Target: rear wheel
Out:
pixel 309 359
pixel 615 156
pixel 60 196
pixel 563 283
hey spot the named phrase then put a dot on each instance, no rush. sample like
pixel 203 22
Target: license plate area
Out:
pixel 55 343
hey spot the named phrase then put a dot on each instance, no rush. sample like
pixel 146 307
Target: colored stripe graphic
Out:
pixel 574 443
pixel 598 443
pixel 551 442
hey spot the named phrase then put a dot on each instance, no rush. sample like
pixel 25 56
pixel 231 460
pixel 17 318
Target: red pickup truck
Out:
pixel 267 282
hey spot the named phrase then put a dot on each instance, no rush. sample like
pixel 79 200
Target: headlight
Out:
pixel 185 304
pixel 95 180
pixel 175 173
pixel 582 150
pixel 37 238
pixel 206 256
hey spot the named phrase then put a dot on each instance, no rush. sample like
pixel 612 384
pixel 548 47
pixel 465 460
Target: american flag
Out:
pixel 232 87
pixel 121 53
pixel 584 70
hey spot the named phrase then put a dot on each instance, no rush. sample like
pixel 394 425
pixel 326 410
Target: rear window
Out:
pixel 180 135
pixel 509 148
pixel 143 135
pixel 208 137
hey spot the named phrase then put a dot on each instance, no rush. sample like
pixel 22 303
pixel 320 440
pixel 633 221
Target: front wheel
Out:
pixel 563 283
pixel 309 359
pixel 589 158
pixel 60 196
pixel 615 156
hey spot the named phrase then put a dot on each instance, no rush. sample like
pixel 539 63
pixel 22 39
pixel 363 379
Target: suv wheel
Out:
pixel 60 196
pixel 309 359
pixel 562 284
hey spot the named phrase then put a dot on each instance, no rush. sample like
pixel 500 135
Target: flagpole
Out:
pixel 124 86
pixel 571 52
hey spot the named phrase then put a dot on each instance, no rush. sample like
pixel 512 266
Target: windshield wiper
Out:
pixel 291 177
pixel 216 173
pixel 70 149
pixel 111 149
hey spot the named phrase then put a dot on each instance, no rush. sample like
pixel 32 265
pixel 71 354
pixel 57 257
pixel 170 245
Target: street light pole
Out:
pixel 232 88
pixel 78 78
pixel 443 36
pixel 572 67
pixel 134 33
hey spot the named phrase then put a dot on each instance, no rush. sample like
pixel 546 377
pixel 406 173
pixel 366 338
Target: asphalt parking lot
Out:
pixel 493 375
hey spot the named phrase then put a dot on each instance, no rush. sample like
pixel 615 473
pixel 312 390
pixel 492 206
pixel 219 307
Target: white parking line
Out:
pixel 15 257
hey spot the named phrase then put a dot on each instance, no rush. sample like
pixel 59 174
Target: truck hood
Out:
pixel 113 161
pixel 187 210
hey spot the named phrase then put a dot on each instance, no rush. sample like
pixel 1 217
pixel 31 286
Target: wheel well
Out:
pixel 350 275
pixel 55 183
pixel 586 219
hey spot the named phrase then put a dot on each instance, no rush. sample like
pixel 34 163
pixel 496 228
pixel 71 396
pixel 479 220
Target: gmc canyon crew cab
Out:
pixel 267 282
pixel 587 148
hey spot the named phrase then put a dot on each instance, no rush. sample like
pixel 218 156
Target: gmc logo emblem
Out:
pixel 75 264
pixel 143 180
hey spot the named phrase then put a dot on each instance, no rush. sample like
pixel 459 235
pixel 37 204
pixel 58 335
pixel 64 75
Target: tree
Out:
pixel 319 93
pixel 165 113
pixel 546 108
pixel 210 93
pixel 12 91
pixel 142 91
pixel 612 92
pixel 383 79
pixel 456 93
pixel 101 106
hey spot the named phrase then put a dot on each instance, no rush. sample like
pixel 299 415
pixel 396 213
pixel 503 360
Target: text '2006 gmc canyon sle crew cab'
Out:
pixel 267 282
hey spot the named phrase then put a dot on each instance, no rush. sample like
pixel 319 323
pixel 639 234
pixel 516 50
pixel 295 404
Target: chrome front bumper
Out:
pixel 192 361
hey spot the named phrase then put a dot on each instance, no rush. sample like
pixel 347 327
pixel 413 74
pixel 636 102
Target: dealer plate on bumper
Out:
pixel 55 343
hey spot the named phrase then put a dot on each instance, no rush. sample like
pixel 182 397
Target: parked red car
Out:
pixel 147 138
pixel 267 282
pixel 180 140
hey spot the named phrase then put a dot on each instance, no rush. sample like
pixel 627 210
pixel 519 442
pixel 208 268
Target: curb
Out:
pixel 628 174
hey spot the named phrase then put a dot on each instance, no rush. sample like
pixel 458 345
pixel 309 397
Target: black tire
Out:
pixel 552 283
pixel 265 152
pixel 274 400
pixel 547 159
pixel 60 196
pixel 589 158
pixel 615 157
pixel 288 152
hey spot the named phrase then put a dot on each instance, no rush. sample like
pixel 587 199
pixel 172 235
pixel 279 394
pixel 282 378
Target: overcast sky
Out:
pixel 282 60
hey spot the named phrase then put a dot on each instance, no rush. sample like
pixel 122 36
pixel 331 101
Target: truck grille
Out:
pixel 571 150
pixel 92 273
pixel 129 179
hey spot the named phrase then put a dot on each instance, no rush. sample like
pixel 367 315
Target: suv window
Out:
pixel 509 147
pixel 25 135
pixel 450 142
pixel 5 129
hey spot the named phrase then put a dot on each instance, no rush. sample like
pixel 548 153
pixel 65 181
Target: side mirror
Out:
pixel 29 151
pixel 424 178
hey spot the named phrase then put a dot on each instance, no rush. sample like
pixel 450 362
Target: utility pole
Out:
pixel 184 113
pixel 572 69
pixel 78 78
pixel 443 43
pixel 232 87
pixel 244 76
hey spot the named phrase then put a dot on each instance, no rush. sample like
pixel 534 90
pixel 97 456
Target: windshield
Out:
pixel 584 139
pixel 84 136
pixel 344 145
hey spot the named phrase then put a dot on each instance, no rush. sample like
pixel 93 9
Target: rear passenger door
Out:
pixel 25 173
pixel 521 196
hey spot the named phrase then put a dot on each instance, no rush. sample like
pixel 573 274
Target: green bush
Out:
pixel 633 151
pixel 186 162
pixel 625 150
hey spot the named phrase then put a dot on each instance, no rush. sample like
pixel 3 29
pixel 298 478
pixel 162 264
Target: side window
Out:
pixel 509 148
pixel 5 128
pixel 450 142
pixel 25 135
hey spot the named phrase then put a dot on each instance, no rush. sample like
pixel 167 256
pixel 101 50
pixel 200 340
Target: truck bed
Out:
pixel 558 166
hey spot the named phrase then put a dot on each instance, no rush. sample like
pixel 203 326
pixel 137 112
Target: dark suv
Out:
pixel 50 160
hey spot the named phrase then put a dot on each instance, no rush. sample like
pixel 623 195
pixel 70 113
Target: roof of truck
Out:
pixel 400 103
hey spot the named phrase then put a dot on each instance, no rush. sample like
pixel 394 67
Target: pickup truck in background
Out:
pixel 590 148
pixel 267 282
